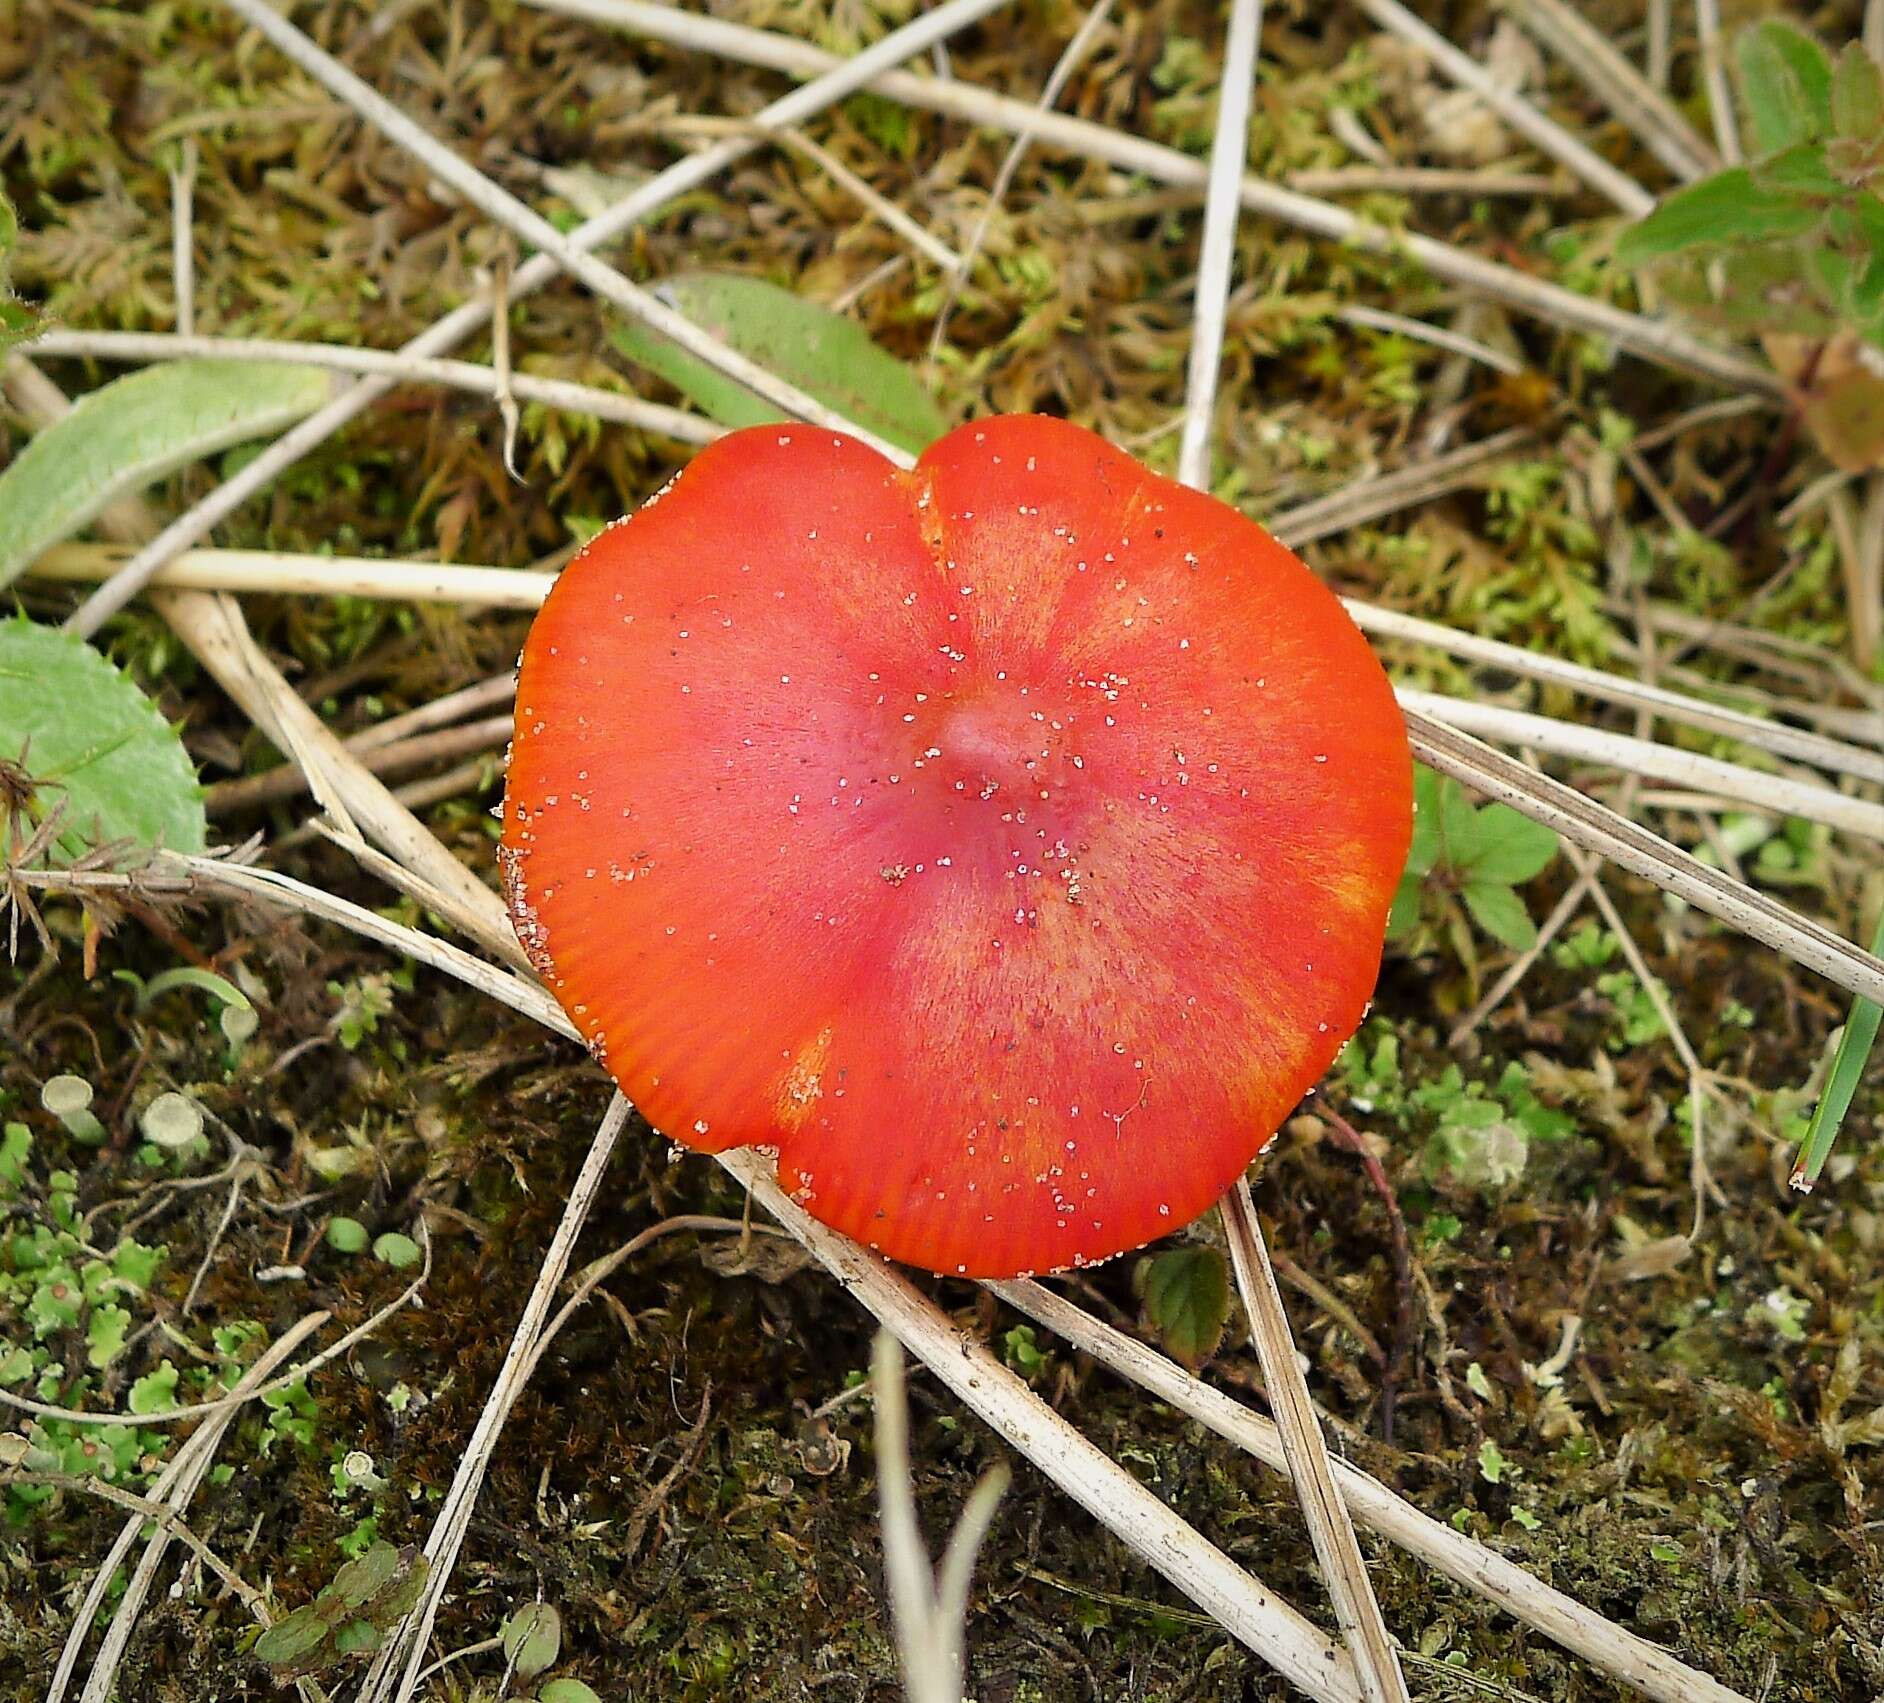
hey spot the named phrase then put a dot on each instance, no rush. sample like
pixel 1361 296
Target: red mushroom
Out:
pixel 1007 843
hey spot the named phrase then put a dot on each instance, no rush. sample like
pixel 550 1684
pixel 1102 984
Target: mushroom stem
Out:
pixel 1305 1452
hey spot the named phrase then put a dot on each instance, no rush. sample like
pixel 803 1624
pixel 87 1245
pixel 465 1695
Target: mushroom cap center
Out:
pixel 999 744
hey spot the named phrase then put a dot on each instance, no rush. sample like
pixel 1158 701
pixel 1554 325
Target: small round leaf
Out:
pixel 346 1235
pixel 399 1252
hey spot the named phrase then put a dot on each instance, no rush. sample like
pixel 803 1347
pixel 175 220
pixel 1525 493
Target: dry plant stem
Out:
pixel 1833 755
pixel 1458 1556
pixel 1218 253
pixel 516 588
pixel 1427 180
pixel 1641 852
pixel 410 1638
pixel 1377 319
pixel 1387 493
pixel 1860 539
pixel 1343 1571
pixel 843 78
pixel 1653 118
pixel 311 575
pixel 522 588
pixel 1305 1456
pixel 1660 42
pixel 1513 108
pixel 1643 757
pixel 1653 340
pixel 1720 101
pixel 1063 68
pixel 214 630
pixel 929 1612
pixel 1632 1660
pixel 186 1468
pixel 382 758
pixel 456 375
pixel 1299 1651
pixel 182 245
pixel 440 712
pixel 1873 33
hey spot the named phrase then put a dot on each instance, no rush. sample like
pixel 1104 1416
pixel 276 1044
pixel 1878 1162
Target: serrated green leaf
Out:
pixel 137 429
pixel 823 353
pixel 1187 1301
pixel 1857 94
pixel 1500 913
pixel 1785 85
pixel 294 1641
pixel 1724 209
pixel 1511 847
pixel 95 743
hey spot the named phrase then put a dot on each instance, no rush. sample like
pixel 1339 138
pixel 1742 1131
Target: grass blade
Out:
pixel 1854 1052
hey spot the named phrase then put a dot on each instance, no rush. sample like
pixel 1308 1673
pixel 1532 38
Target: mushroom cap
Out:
pixel 1008 843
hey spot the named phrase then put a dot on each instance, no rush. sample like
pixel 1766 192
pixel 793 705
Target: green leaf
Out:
pixel 1458 826
pixel 346 1235
pixel 106 1332
pixel 359 1582
pixel 1785 85
pixel 1857 94
pixel 188 975
pixel 1841 1083
pixel 137 429
pixel 1720 210
pixel 565 1691
pixel 1423 852
pixel 294 1641
pixel 532 1639
pixel 1511 847
pixel 357 1638
pixel 94 742
pixel 1800 170
pixel 1404 916
pixel 155 1392
pixel 16 1146
pixel 1500 913
pixel 399 1252
pixel 821 352
pixel 1187 1300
